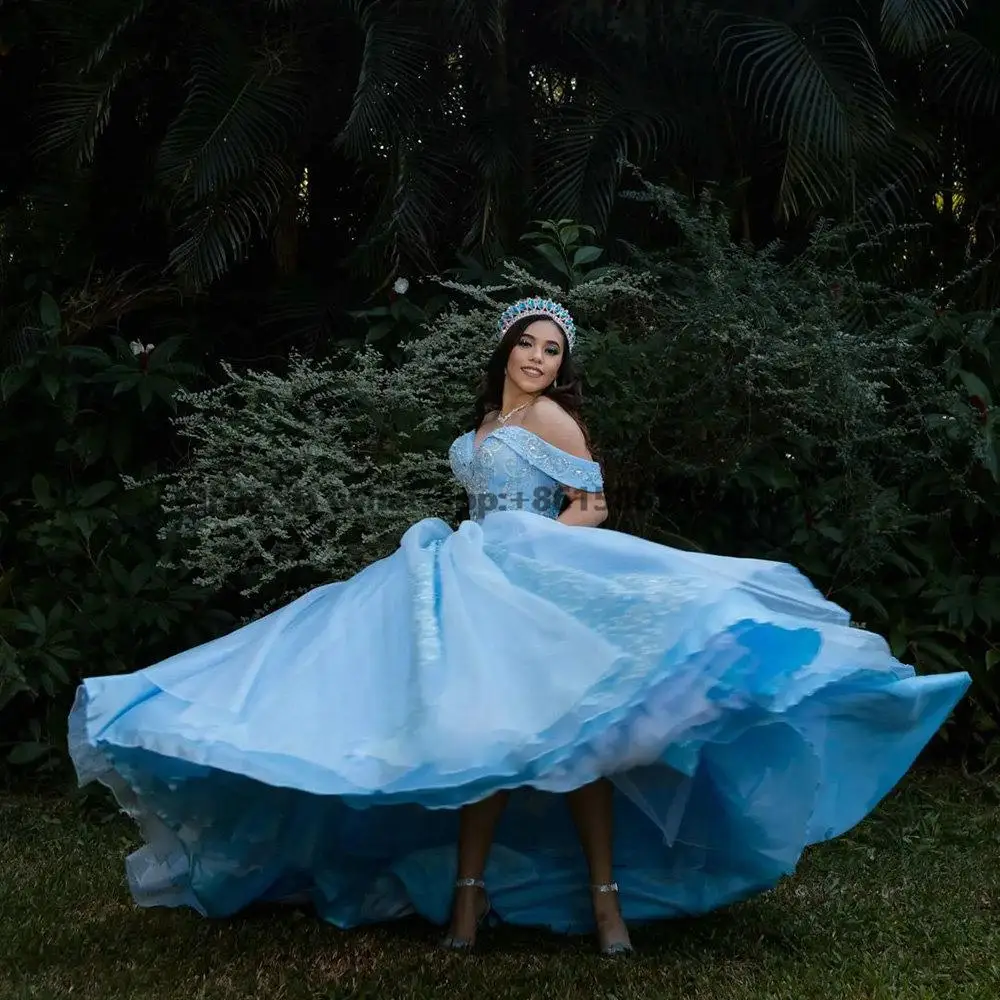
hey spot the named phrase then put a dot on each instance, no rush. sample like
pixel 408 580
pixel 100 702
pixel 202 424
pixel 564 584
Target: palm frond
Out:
pixel 418 200
pixel 393 84
pixel 75 115
pixel 891 176
pixel 877 187
pixel 913 26
pixel 240 111
pixel 808 182
pixel 75 111
pixel 963 71
pixel 590 140
pixel 821 85
pixel 132 12
pixel 220 232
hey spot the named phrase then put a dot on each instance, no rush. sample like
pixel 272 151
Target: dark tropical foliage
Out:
pixel 394 132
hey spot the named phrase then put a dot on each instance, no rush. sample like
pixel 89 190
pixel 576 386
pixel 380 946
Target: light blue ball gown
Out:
pixel 321 752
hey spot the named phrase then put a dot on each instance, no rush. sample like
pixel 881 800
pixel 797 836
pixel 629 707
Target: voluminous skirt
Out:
pixel 321 752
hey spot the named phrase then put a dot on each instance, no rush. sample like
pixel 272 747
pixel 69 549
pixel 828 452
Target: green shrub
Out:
pixel 83 588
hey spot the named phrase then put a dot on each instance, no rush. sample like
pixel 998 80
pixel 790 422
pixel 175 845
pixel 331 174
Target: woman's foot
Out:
pixel 470 907
pixel 612 934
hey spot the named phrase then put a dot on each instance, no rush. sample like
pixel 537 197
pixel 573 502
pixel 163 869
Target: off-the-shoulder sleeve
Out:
pixel 564 468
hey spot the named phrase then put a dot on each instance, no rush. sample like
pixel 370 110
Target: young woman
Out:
pixel 531 384
pixel 607 728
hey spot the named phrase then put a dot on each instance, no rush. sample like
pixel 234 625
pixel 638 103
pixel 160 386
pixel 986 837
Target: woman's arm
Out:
pixel 587 510
pixel 553 424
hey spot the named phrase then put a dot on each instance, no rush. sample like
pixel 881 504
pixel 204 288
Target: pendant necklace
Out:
pixel 502 418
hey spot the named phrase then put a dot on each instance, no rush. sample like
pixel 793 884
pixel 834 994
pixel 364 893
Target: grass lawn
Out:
pixel 905 906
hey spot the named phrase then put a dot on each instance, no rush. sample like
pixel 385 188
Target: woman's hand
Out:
pixel 586 510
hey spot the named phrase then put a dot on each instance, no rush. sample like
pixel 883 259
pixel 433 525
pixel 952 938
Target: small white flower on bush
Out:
pixel 139 348
pixel 401 286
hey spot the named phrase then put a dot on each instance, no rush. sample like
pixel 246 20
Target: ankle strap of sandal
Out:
pixel 605 887
pixel 469 883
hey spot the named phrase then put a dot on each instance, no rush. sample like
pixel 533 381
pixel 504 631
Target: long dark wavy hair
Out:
pixel 567 390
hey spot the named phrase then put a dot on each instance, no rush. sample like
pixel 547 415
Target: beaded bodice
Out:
pixel 514 469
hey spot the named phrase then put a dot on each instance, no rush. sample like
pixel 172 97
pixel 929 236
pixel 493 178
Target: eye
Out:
pixel 552 349
pixel 524 342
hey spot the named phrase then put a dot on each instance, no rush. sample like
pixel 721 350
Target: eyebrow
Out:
pixel 554 343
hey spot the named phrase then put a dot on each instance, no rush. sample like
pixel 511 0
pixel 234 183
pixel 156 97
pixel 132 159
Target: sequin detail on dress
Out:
pixel 512 468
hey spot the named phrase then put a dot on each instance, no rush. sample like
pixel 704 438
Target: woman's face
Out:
pixel 534 360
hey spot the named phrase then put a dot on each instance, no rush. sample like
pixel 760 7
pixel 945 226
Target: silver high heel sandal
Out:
pixel 612 949
pixel 450 941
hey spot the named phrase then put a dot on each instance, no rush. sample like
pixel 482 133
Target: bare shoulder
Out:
pixel 555 425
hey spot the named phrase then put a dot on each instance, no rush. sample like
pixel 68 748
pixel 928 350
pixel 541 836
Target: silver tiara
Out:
pixel 542 309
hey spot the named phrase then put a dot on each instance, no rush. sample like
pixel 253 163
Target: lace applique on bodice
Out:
pixel 514 469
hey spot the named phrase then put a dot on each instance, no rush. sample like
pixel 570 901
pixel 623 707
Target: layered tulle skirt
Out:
pixel 321 753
